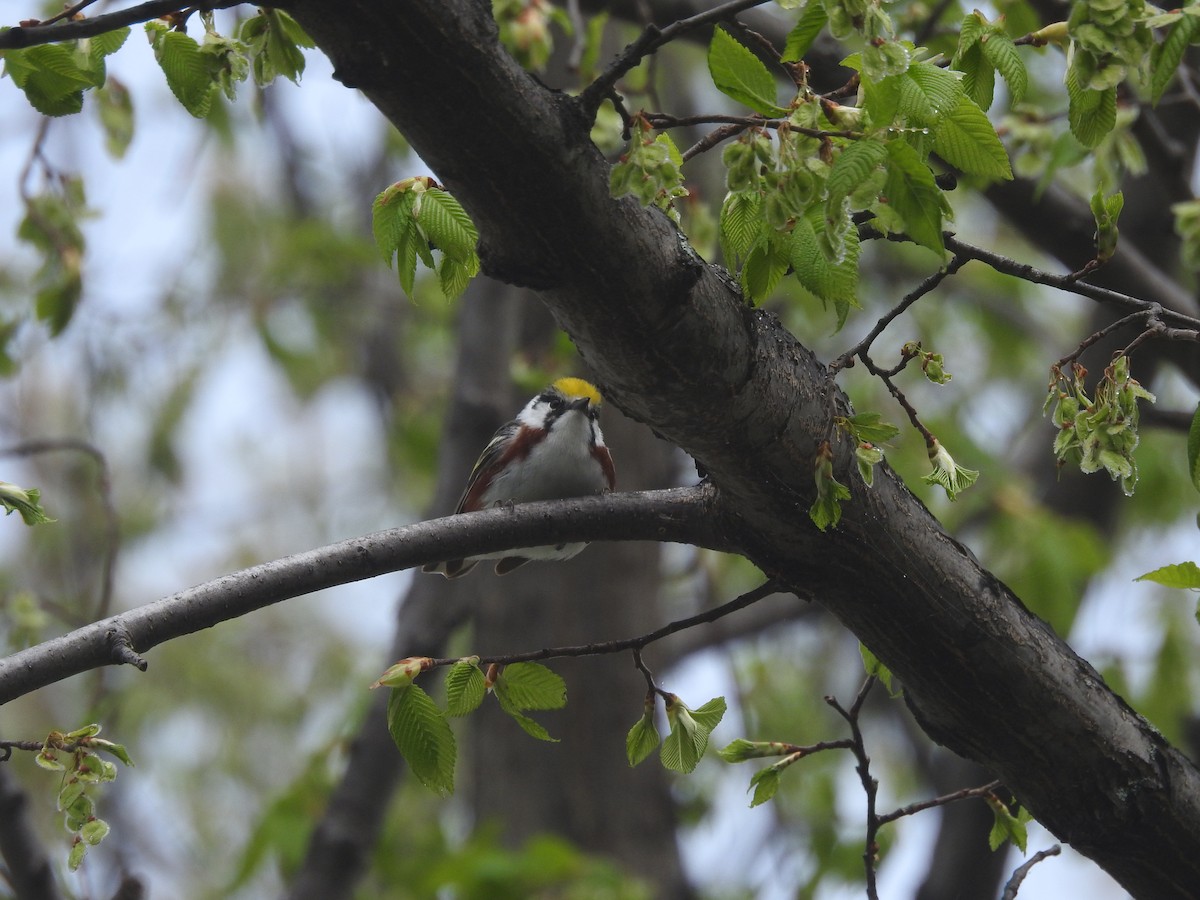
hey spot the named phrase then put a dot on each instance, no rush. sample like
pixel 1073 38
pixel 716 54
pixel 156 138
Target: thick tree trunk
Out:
pixel 673 345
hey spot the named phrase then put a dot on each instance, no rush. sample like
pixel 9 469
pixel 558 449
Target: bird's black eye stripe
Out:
pixel 554 401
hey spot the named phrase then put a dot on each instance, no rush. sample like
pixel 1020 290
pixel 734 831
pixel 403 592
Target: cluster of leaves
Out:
pixel 54 76
pixel 26 501
pixel 416 216
pixel 421 729
pixel 1108 38
pixel 649 169
pixel 525 29
pixel 422 732
pixel 791 196
pixel 1099 433
pixel 267 45
pixel 687 738
pixel 76 755
pixel 52 225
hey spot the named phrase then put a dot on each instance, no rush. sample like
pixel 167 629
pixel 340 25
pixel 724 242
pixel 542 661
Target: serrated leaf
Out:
pixel 187 72
pixel 765 266
pixel 881 100
pixel 391 216
pixel 688 739
pixel 642 739
pixel 530 685
pixel 447 226
pixel 739 74
pixel 835 283
pixel 1002 53
pixel 423 738
pixel 1184 575
pixel 50 76
pixel 1091 114
pixel 913 195
pixel 805 31
pixel 465 688
pixel 979 76
pixel 965 138
pixel 1165 57
pixel 741 223
pixel 852 167
pixel 940 89
pixel 25 501
pixel 453 277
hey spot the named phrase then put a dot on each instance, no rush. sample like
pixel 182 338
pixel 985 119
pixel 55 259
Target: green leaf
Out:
pixel 530 685
pixel 1002 53
pixel 965 138
pixel 741 223
pixel 391 216
pixel 643 737
pixel 1180 575
pixel 739 74
pixel 852 167
pixel 765 266
pixel 76 854
pixel 1006 826
pixel 873 666
pixel 117 750
pixel 187 72
pixel 115 109
pixel 869 426
pixel 913 195
pixel 94 831
pixel 446 224
pixel 939 91
pixel 50 76
pixel 423 738
pixel 979 75
pixel 801 37
pixel 465 688
pixel 528 725
pixel 25 501
pixel 835 283
pixel 1091 114
pixel 765 783
pixel 453 277
pixel 1165 57
pixel 688 740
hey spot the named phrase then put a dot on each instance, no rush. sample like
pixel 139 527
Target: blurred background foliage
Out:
pixel 257 385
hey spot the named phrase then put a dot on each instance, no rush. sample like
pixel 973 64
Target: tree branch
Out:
pixel 682 514
pixel 31 35
pixel 673 344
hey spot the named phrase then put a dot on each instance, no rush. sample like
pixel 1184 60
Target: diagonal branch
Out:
pixel 683 514
pixel 53 31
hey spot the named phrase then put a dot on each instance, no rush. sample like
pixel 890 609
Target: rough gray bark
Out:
pixel 674 345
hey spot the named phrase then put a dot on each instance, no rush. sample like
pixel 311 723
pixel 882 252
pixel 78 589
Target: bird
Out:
pixel 552 449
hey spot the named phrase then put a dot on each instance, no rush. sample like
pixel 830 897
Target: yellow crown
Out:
pixel 576 388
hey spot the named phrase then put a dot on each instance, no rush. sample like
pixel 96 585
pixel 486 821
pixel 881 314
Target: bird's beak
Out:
pixel 581 404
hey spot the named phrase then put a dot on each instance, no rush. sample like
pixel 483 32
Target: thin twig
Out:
pixel 921 806
pixel 885 375
pixel 1014 883
pixel 646 43
pixel 847 358
pixel 869 783
pixel 1063 282
pixel 637 643
pixel 69 13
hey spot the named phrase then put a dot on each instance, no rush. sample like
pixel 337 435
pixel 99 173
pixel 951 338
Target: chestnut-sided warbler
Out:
pixel 552 449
